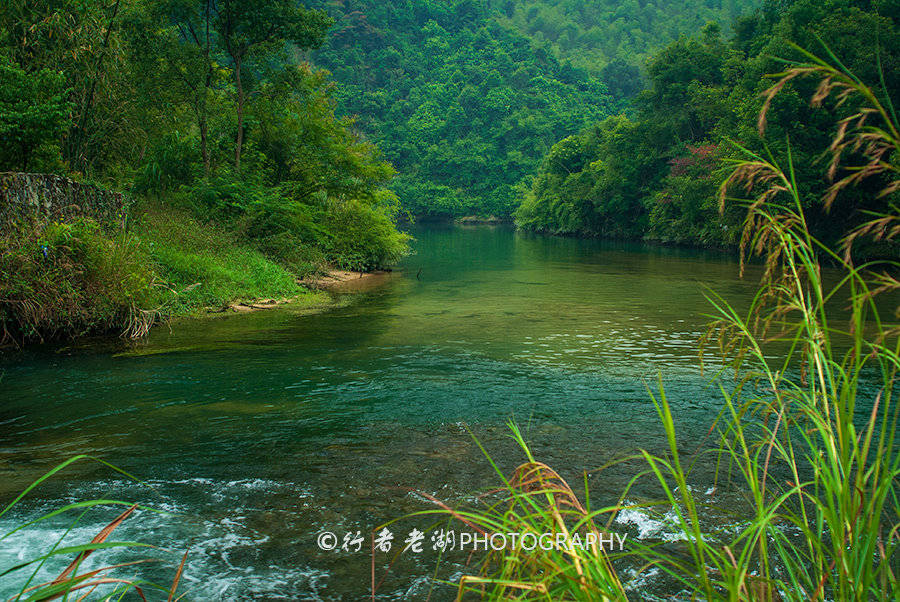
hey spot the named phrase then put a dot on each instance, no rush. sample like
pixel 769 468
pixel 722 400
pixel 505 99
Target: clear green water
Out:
pixel 261 430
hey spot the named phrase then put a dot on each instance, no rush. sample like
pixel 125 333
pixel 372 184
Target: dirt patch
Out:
pixel 334 280
pixel 248 306
pixel 346 280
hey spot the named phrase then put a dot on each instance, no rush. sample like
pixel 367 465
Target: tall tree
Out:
pixel 33 111
pixel 81 40
pixel 186 42
pixel 78 137
pixel 248 26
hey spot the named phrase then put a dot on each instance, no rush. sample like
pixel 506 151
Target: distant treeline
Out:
pixel 613 38
pixel 655 173
pixel 465 97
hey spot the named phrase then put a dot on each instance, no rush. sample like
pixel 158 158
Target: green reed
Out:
pixel 109 582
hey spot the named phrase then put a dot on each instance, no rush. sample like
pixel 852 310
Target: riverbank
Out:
pixel 315 298
pixel 62 281
pixel 347 280
pixel 491 220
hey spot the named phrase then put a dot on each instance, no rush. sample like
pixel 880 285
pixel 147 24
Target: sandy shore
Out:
pixel 347 281
pixel 245 306
pixel 334 280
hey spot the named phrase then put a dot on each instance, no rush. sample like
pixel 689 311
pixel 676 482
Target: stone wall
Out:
pixel 37 198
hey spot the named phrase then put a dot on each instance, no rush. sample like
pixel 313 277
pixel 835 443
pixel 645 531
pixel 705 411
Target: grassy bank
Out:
pixel 66 280
pixel 205 264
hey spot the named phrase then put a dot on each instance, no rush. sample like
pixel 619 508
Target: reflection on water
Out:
pixel 260 430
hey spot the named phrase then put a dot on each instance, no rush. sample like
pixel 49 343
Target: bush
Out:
pixel 206 264
pixel 171 163
pixel 303 233
pixel 70 279
pixel 361 237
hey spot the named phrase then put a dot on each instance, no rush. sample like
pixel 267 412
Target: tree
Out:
pixel 190 58
pixel 82 40
pixel 33 111
pixel 247 26
pixel 623 79
pixel 656 177
pixel 463 107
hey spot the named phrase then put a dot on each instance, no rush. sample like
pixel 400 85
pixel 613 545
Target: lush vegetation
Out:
pixel 655 174
pixel 611 38
pixel 461 105
pixel 244 178
pixel 806 452
pixel 466 97
pixel 65 279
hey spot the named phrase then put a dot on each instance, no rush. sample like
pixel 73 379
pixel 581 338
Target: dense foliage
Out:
pixel 203 100
pixel 65 279
pixel 656 175
pixel 466 96
pixel 204 107
pixel 807 466
pixel 33 111
pixel 462 106
pixel 611 37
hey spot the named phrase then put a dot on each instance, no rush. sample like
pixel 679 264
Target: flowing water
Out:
pixel 257 432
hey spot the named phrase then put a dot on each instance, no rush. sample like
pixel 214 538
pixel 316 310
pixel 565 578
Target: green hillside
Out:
pixel 612 38
pixel 461 105
pixel 465 97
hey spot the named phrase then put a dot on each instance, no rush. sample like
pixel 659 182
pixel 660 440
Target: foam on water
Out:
pixel 224 561
pixel 663 527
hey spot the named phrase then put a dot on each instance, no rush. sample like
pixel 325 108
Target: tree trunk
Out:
pixel 240 115
pixel 204 150
pixel 204 147
pixel 76 153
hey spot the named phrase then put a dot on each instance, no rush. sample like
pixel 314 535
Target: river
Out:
pixel 257 432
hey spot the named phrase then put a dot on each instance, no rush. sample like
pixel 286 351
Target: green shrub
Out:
pixel 361 237
pixel 71 279
pixel 303 232
pixel 171 163
pixel 64 280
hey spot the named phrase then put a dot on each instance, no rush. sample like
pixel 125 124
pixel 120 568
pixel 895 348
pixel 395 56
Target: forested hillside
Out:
pixel 612 38
pixel 465 96
pixel 461 105
pixel 656 175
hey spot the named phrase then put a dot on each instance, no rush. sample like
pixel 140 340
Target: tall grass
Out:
pixel 109 582
pixel 63 280
pixel 207 264
pixel 536 500
pixel 807 440
pixel 69 279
